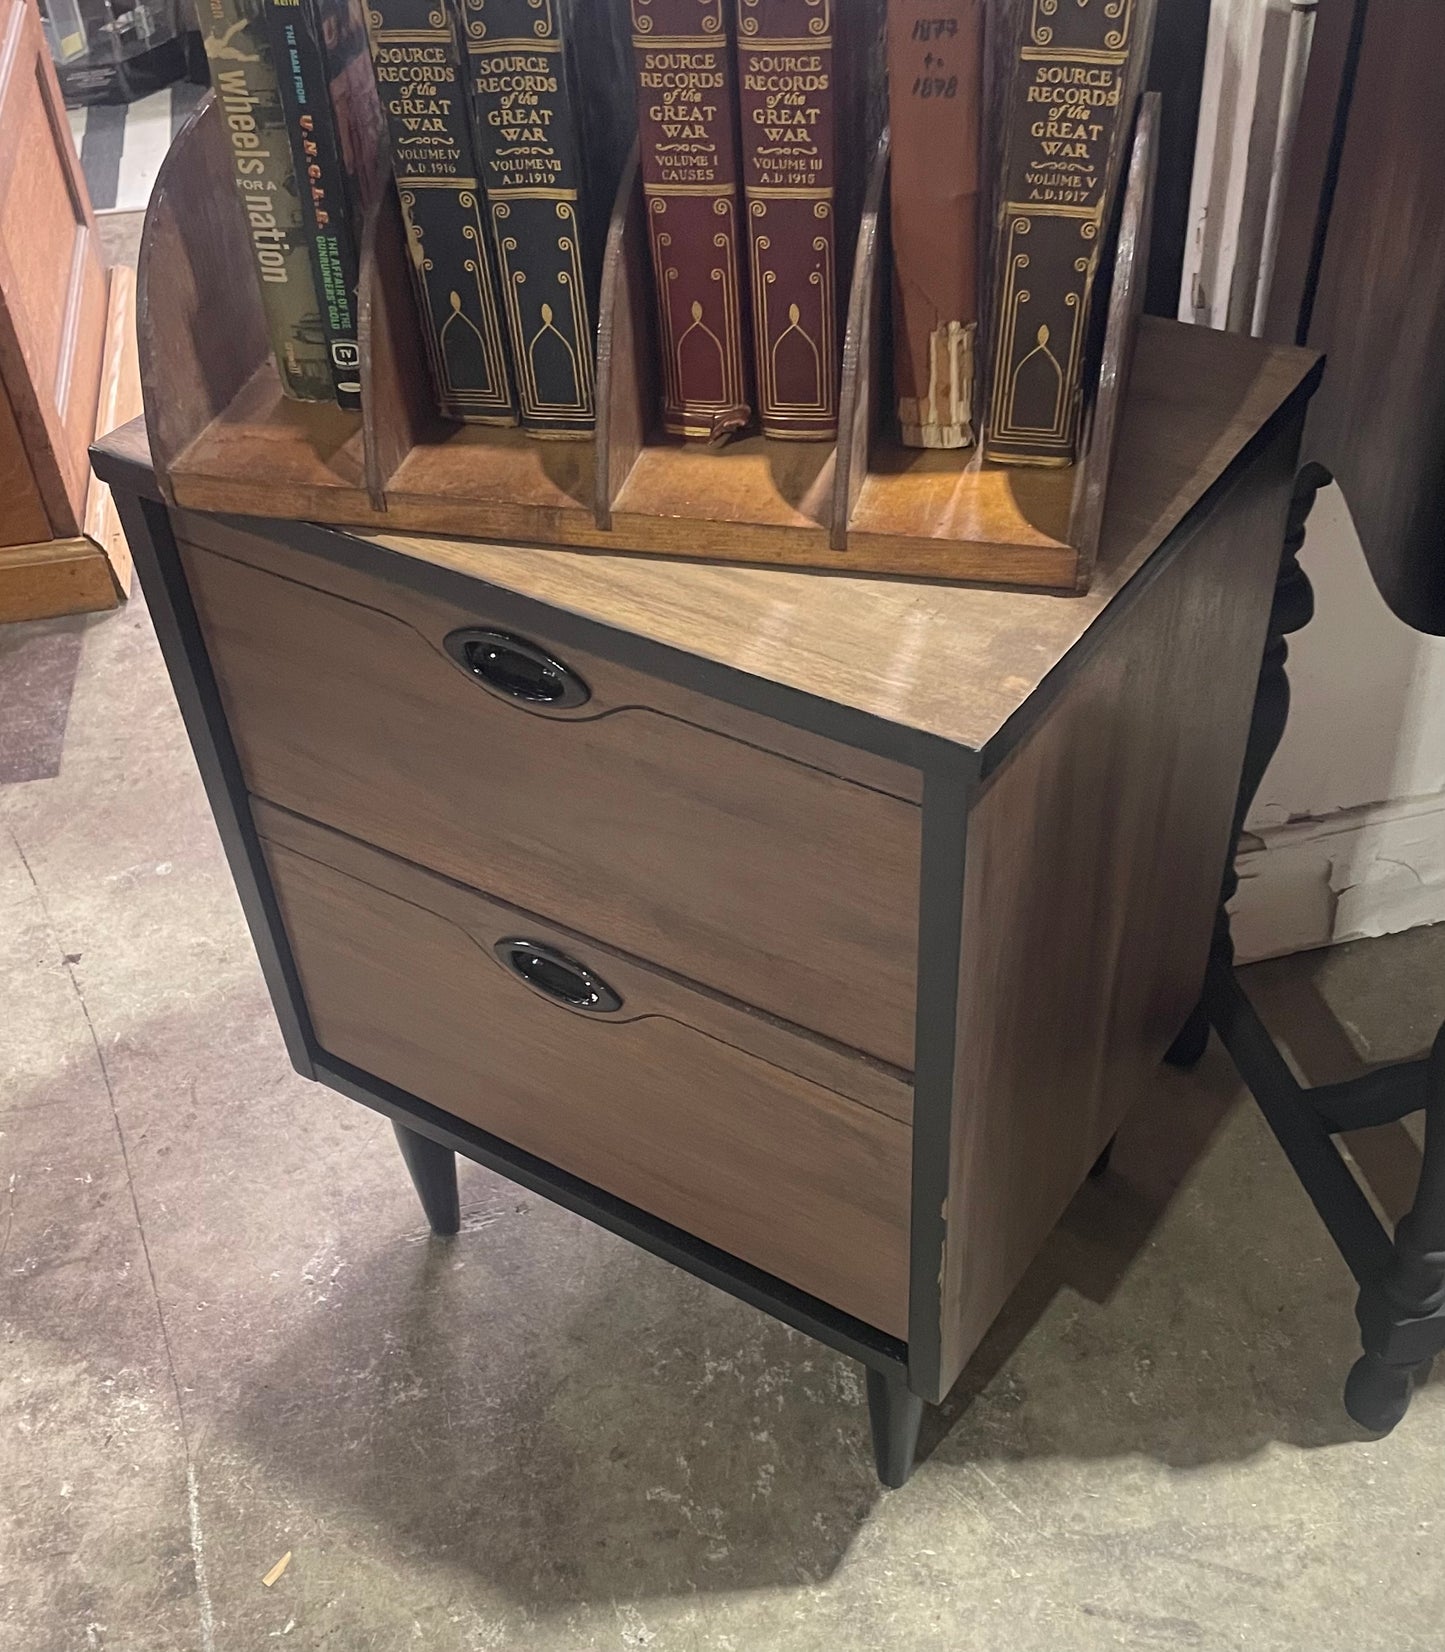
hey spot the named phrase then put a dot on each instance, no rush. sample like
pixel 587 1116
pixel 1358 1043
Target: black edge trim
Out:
pixel 148 532
pixel 124 474
pixel 715 1267
pixel 948 793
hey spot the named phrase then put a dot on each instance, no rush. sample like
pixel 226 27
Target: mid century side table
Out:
pixel 814 932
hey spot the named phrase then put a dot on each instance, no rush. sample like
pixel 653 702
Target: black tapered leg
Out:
pixel 433 1171
pixel 896 1414
pixel 1292 610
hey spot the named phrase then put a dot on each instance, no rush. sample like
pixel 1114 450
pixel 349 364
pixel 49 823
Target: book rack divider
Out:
pixel 224 439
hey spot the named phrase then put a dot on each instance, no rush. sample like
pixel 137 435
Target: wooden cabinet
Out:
pixel 67 351
pixel 816 933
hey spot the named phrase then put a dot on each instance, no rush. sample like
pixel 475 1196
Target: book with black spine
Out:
pixel 1074 78
pixel 422 81
pixel 311 44
pixel 551 100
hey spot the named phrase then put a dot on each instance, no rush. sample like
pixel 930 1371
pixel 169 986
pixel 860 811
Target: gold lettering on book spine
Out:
pixel 701 328
pixel 1063 164
pixel 806 333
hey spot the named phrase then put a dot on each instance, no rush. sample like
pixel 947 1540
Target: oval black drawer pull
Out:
pixel 517 670
pixel 558 977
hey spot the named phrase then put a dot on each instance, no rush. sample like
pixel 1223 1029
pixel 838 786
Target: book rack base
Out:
pixel 224 439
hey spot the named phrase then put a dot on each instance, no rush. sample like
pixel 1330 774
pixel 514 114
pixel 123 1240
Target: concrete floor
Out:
pixel 225 1333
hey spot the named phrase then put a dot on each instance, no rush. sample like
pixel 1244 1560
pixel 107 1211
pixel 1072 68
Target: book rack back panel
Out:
pixel 224 438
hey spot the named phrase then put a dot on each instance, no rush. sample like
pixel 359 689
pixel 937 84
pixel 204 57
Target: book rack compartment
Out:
pixel 224 439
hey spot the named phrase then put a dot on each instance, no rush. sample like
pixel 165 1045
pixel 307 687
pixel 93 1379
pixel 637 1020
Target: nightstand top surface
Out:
pixel 950 660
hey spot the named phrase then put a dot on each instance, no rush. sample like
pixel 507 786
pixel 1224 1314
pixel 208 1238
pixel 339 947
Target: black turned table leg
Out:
pixel 1401 1305
pixel 1292 610
pixel 896 1414
pixel 433 1171
pixel 1402 1313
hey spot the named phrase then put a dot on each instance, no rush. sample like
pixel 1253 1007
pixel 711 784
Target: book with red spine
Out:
pixel 687 116
pixel 935 84
pixel 790 132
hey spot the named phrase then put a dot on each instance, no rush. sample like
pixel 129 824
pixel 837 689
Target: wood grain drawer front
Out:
pixel 768 1166
pixel 766 878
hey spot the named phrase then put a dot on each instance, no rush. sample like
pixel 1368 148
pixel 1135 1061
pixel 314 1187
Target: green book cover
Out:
pixel 246 89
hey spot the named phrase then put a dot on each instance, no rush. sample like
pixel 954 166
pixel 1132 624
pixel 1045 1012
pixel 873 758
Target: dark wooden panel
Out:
pixel 52 280
pixel 1313 168
pixel 23 517
pixel 782 885
pixel 1094 862
pixel 769 1167
pixel 1379 420
pixel 1176 72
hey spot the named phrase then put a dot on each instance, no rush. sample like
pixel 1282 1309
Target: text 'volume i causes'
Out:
pixel 687 113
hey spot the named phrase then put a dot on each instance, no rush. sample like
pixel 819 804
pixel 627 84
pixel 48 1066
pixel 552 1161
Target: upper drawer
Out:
pixel 600 1066
pixel 779 877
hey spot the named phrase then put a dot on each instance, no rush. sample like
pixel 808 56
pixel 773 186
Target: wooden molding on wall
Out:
pixel 90 572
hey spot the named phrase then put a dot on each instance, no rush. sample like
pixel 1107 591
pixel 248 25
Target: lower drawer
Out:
pixel 602 1067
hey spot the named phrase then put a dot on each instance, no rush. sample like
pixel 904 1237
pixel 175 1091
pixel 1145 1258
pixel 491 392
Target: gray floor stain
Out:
pixel 37 672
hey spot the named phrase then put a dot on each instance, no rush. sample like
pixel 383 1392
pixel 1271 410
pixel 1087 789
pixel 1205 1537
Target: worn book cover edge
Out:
pixel 699 138
pixel 936 56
